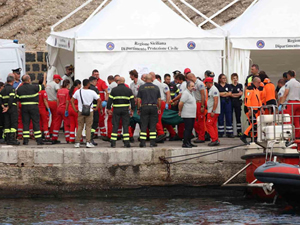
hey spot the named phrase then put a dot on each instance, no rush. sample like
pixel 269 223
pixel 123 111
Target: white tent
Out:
pixel 135 34
pixel 12 56
pixel 267 34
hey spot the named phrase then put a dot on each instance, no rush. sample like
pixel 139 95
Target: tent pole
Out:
pixel 218 13
pixel 182 13
pixel 201 14
pixel 95 11
pixel 70 14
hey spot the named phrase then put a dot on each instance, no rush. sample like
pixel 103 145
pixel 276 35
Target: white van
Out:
pixel 12 56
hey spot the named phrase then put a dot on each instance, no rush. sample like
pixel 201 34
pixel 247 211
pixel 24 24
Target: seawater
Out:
pixel 225 210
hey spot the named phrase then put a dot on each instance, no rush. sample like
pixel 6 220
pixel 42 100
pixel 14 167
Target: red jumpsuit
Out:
pixel 101 85
pixel 44 114
pixel 73 118
pixel 62 97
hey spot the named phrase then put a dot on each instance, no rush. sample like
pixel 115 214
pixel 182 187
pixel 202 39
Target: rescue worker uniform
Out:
pixel 8 99
pixel 237 106
pixel 252 99
pixel 121 98
pixel 135 89
pixel 28 95
pixel 101 85
pixel 109 117
pixel 62 97
pixel 44 114
pixel 149 95
pixel 226 110
pixel 270 98
pixel 159 127
pixel 95 117
pixel 51 90
pixel 211 122
pixel 200 117
pixel 73 117
pixel 294 110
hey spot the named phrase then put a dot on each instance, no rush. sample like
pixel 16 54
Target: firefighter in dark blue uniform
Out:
pixel 28 95
pixel 174 91
pixel 121 98
pixel 8 102
pixel 93 83
pixel 149 105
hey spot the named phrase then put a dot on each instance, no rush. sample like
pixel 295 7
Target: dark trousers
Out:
pixel 188 129
pixel 237 108
pixel 11 120
pixel 120 113
pixel 95 122
pixel 31 112
pixel 1 124
pixel 226 109
pixel 149 119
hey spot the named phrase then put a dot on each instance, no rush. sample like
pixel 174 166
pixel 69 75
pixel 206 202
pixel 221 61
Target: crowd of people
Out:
pixel 202 105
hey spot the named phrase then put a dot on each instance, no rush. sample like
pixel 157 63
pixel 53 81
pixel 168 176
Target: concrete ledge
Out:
pixel 67 170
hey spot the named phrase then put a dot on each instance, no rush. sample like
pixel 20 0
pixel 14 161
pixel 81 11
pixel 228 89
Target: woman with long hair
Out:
pixel 73 116
pixel 226 108
pixel 62 112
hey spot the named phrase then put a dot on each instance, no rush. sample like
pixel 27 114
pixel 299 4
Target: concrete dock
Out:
pixel 62 170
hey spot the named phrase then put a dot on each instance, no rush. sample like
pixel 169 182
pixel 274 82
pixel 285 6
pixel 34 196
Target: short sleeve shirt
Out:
pixel 161 89
pixel 111 86
pixel 189 108
pixel 293 86
pixel 236 89
pixel 199 86
pixel 88 96
pixel 51 90
pixel 281 93
pixel 182 87
pixel 62 97
pixel 213 92
pixel 42 95
pixel 135 87
pixel 101 85
pixel 149 93
pixel 226 88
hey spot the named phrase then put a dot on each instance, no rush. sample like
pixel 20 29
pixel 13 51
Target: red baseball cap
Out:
pixel 56 76
pixel 209 80
pixel 187 70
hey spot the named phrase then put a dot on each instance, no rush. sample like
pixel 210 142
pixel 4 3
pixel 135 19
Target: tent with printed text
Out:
pixel 267 34
pixel 135 34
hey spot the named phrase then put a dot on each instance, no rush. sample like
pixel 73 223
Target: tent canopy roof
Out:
pixel 136 19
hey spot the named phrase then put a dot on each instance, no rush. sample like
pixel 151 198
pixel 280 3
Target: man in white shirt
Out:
pixel 199 94
pixel 51 89
pixel 213 111
pixel 292 95
pixel 85 96
pixel 69 75
pixel 165 99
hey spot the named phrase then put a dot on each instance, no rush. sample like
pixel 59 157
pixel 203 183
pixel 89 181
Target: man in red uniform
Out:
pixel 44 113
pixel 102 87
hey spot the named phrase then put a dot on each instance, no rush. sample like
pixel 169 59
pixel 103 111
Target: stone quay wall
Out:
pixel 61 172
pixel 36 64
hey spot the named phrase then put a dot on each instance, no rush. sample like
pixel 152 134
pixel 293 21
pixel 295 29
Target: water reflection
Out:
pixel 143 211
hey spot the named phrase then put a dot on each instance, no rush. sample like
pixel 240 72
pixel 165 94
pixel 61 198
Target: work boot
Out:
pixel 244 139
pixel 160 138
pixel 39 141
pixel 142 144
pixel 186 145
pixel 12 139
pixel 113 144
pixel 127 144
pixel 2 141
pixel 215 143
pixel 190 143
pixel 153 143
pixel 25 141
pixel 131 139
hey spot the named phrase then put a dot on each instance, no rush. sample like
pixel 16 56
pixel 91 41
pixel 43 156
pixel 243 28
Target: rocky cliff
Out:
pixel 29 21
